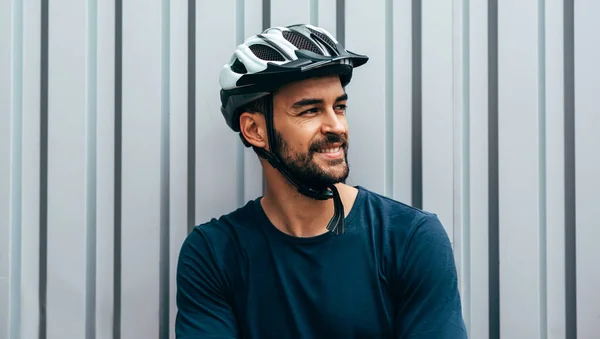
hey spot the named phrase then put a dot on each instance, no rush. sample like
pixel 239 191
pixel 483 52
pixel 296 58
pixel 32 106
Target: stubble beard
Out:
pixel 304 168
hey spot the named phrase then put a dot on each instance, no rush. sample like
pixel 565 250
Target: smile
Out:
pixel 331 153
pixel 329 150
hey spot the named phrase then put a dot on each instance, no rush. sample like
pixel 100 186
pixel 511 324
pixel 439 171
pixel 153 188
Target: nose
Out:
pixel 333 123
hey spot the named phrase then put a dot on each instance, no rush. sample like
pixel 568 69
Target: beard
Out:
pixel 305 169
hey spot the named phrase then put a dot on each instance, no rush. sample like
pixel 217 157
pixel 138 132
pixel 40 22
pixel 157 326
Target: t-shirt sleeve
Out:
pixel 203 308
pixel 427 299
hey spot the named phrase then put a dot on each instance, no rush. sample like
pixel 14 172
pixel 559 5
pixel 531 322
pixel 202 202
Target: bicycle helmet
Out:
pixel 271 59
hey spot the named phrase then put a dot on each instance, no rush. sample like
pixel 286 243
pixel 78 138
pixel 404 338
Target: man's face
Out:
pixel 311 131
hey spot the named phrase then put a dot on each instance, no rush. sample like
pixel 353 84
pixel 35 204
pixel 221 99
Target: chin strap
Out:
pixel 336 223
pixel 323 194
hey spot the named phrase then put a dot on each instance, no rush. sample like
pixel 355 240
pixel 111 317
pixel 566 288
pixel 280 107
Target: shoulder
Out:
pixel 217 240
pixel 396 216
pixel 403 229
pixel 243 219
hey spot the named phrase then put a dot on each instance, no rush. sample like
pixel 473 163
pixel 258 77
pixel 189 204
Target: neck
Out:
pixel 298 215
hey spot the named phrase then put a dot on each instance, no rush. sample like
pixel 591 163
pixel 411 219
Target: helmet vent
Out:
pixel 265 52
pixel 329 44
pixel 238 67
pixel 331 51
pixel 323 37
pixel 301 42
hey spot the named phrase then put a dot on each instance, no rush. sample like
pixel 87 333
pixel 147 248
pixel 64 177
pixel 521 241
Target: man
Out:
pixel 281 266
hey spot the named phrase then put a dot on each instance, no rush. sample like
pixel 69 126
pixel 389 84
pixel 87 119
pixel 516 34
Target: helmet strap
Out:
pixel 336 224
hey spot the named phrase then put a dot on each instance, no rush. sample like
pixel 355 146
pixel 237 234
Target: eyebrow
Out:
pixel 308 102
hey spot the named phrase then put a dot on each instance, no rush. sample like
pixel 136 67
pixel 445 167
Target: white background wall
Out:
pixel 112 146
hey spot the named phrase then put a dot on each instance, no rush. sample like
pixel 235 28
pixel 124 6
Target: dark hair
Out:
pixel 256 106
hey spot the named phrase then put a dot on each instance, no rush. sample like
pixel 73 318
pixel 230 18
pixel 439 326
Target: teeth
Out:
pixel 329 150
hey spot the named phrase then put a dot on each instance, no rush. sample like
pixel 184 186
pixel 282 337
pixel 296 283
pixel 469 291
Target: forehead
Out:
pixel 314 88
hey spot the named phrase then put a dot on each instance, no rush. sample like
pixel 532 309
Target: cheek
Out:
pixel 300 136
pixel 344 121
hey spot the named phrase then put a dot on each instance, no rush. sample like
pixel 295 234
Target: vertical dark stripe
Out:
pixel 91 163
pixel 165 135
pixel 389 98
pixel 266 14
pixel 542 223
pixel 340 21
pixel 314 12
pixel 117 169
pixel 417 142
pixel 266 23
pixel 43 171
pixel 241 149
pixel 493 199
pixel 191 127
pixel 570 216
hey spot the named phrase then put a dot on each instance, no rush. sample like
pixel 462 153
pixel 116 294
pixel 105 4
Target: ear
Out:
pixel 252 127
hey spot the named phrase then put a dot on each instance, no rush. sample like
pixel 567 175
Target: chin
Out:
pixel 338 175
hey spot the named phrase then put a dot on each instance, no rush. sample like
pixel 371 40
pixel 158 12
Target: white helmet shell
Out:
pixel 279 54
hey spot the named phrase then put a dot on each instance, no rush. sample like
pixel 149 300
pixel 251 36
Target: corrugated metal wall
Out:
pixel 112 146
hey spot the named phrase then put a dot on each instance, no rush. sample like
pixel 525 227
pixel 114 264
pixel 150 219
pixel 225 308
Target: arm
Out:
pixel 427 299
pixel 203 308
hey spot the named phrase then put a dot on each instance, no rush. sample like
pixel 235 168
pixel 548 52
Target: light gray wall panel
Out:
pixel 7 116
pixel 178 146
pixel 533 164
pixel 366 92
pixel 216 144
pixel 555 169
pixel 66 169
pixel 253 176
pixel 327 15
pixel 402 100
pixel 437 110
pixel 478 320
pixel 519 157
pixel 30 177
pixel 4 300
pixel 460 150
pixel 587 166
pixel 6 51
pixel 285 13
pixel 252 18
pixel 141 168
pixel 105 173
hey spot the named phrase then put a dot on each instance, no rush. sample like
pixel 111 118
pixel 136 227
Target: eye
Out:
pixel 341 108
pixel 313 110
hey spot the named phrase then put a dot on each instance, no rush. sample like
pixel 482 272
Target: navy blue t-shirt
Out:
pixel 390 275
